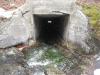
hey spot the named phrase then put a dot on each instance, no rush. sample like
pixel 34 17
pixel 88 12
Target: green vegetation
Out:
pixel 44 53
pixel 93 12
pixel 54 55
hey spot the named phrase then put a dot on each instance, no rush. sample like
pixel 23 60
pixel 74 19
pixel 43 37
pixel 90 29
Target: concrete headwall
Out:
pixel 20 26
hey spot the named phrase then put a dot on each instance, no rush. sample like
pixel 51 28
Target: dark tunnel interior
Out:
pixel 50 28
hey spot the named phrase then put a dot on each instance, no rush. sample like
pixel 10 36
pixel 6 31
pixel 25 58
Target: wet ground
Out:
pixel 45 60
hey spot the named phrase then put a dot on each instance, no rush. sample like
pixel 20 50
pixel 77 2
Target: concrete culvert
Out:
pixel 50 28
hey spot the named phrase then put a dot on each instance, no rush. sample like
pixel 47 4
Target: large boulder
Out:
pixel 12 69
pixel 14 28
pixel 11 56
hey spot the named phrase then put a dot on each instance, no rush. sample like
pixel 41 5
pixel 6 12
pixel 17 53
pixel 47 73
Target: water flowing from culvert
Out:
pixel 42 55
pixel 45 55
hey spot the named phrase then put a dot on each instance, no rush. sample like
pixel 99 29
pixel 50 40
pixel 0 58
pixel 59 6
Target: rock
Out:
pixel 14 31
pixel 82 65
pixel 11 62
pixel 54 71
pixel 37 70
pixel 11 56
pixel 12 69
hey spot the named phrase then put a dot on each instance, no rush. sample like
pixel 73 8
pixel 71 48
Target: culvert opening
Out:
pixel 50 28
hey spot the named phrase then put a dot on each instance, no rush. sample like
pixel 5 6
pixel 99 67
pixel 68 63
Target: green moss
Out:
pixel 54 55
